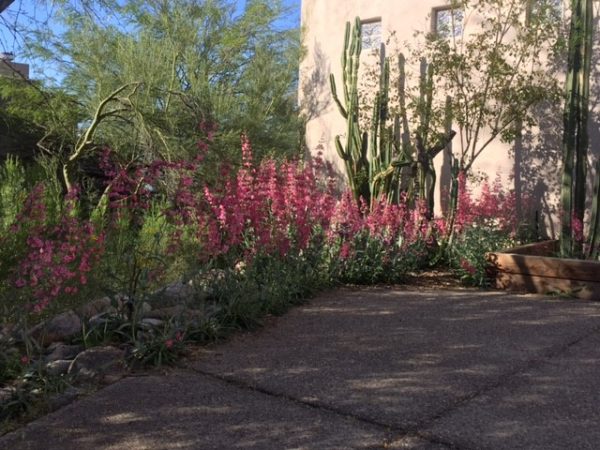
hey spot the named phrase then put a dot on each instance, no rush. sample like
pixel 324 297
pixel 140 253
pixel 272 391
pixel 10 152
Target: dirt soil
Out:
pixel 434 279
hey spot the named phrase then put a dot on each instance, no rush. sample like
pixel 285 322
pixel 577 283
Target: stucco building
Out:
pixel 530 165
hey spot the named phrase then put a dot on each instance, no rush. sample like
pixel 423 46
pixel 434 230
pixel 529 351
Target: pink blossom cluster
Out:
pixel 495 206
pixel 397 226
pixel 267 208
pixel 132 188
pixel 58 256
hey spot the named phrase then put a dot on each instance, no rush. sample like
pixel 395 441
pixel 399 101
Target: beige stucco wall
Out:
pixel 538 154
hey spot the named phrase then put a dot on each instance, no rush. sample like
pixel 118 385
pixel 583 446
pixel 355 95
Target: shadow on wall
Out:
pixel 316 101
pixel 594 119
pixel 537 163
pixel 538 153
pixel 315 87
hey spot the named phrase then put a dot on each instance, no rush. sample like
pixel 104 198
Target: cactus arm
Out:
pixel 336 99
pixel 375 121
pixel 402 101
pixel 340 149
pixel 425 100
pixel 345 62
pixel 441 144
pixel 581 150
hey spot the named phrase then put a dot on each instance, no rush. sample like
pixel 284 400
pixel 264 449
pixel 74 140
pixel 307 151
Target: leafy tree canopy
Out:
pixel 147 73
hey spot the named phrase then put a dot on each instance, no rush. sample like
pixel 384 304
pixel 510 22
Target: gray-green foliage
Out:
pixel 32 113
pixel 190 62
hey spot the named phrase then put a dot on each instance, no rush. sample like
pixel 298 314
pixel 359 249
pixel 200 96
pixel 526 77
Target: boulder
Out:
pixel 58 367
pixel 98 364
pixel 176 291
pixel 180 313
pixel 60 350
pixel 99 319
pixel 151 323
pixel 59 328
pixel 95 307
pixel 145 309
pixel 166 313
pixel 6 394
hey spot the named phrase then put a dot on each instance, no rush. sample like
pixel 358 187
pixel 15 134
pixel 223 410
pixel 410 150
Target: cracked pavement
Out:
pixel 363 368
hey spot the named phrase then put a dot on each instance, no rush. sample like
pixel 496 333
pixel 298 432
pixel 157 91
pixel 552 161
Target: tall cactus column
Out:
pixel 354 153
pixel 575 139
pixel 386 161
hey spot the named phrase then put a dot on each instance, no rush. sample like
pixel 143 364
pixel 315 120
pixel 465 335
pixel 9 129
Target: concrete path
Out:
pixel 368 368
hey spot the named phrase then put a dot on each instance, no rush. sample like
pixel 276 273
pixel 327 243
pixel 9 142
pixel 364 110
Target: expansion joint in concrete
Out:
pixel 394 432
pixel 532 363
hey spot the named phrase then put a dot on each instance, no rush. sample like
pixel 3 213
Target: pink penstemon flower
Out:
pixel 51 260
pixel 468 267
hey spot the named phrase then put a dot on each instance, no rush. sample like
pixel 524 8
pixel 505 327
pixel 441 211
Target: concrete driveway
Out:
pixel 364 368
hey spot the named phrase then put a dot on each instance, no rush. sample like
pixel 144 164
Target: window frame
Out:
pixel 434 20
pixel 371 21
pixel 559 11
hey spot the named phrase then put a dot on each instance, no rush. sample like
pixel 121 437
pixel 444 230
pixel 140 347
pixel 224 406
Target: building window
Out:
pixel 447 21
pixel 371 34
pixel 546 9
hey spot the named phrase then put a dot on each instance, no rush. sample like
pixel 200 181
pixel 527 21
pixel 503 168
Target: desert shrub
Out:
pixel 378 245
pixel 484 224
pixel 467 254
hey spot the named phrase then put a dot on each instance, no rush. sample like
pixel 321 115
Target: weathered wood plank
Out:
pixel 587 290
pixel 546 267
pixel 544 248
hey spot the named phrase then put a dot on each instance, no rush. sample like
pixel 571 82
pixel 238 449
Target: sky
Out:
pixel 23 12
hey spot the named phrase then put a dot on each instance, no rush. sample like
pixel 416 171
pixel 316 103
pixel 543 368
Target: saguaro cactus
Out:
pixel 575 138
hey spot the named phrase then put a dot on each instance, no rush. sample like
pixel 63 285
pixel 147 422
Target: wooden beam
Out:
pixel 572 269
pixel 586 290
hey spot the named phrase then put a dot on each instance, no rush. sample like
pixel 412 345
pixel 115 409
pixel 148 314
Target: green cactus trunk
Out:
pixel 354 153
pixel 594 233
pixel 575 139
pixel 385 163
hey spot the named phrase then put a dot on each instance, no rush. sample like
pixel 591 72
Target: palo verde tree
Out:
pixel 150 73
